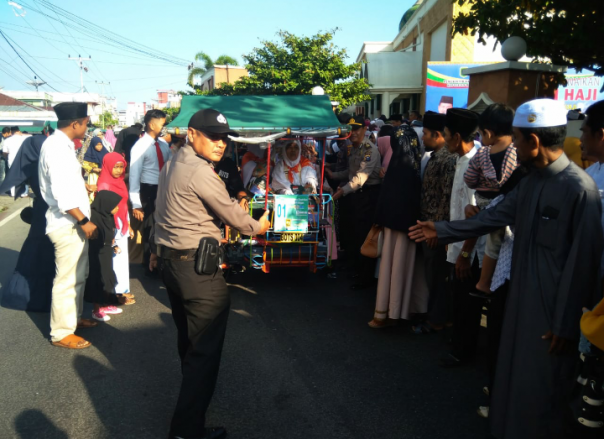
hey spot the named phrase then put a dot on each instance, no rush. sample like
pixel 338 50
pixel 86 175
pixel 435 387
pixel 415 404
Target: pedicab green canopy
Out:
pixel 268 116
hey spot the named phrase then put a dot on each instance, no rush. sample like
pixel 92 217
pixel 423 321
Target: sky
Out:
pixel 178 29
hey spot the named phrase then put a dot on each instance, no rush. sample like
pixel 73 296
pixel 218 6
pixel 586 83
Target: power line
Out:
pixel 24 62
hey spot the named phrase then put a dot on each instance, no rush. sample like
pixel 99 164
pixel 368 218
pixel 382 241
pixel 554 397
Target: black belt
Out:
pixel 176 255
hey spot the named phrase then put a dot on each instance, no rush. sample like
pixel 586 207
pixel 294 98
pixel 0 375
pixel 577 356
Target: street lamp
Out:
pixel 318 91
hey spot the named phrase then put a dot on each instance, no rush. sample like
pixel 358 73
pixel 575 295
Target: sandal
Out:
pixel 87 323
pixel 126 300
pixel 72 342
pixel 128 295
pixel 379 323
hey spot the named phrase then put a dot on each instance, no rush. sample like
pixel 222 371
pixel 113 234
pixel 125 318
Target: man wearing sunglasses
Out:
pixel 148 156
pixel 192 201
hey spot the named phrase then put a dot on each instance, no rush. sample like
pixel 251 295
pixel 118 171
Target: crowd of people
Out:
pixel 476 212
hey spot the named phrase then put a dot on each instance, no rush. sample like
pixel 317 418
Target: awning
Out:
pixel 265 118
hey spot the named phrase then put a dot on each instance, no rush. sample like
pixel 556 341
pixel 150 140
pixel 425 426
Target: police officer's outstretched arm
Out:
pixel 214 194
pixel 370 163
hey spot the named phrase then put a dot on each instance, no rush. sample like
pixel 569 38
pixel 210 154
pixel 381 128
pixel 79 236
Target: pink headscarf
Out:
pixel 385 150
pixel 110 137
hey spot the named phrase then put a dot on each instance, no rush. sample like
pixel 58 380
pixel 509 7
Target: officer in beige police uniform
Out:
pixel 363 175
pixel 192 201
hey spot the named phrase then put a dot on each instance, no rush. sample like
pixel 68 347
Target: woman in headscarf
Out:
pixel 401 291
pixel 99 133
pixel 110 137
pixel 294 171
pixel 30 286
pixel 112 179
pixel 93 160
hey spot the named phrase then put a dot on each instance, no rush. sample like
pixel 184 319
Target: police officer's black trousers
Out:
pixel 365 202
pixel 148 194
pixel 200 309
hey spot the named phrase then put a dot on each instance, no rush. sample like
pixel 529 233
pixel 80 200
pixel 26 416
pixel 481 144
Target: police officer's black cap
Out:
pixel 71 110
pixel 357 121
pixel 211 122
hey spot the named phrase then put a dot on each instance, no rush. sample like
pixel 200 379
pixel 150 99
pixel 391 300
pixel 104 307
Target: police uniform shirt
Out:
pixel 192 201
pixel 363 168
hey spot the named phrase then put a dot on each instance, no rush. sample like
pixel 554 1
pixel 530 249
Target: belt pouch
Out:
pixel 208 256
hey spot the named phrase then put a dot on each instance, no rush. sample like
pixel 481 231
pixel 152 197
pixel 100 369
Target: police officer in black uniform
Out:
pixel 192 201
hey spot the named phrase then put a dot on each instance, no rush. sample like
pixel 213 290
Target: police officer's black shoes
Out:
pixel 211 433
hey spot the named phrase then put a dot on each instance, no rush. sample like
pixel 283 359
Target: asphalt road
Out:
pixel 299 362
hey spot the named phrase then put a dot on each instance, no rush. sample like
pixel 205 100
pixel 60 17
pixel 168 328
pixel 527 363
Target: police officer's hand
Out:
pixel 265 223
pixel 138 214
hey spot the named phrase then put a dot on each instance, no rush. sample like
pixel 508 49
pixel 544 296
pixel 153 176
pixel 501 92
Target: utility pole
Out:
pixel 36 83
pixel 103 84
pixel 83 68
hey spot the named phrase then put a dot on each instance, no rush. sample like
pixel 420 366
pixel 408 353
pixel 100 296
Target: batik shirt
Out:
pixel 437 186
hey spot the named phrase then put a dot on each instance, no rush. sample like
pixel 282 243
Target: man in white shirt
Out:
pixel 465 257
pixel 592 144
pixel 67 223
pixel 10 148
pixel 148 156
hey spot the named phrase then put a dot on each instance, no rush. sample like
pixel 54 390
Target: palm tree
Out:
pixel 208 64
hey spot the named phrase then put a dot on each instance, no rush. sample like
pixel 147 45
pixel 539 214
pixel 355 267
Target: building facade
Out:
pixel 397 69
pixel 135 112
pixel 219 74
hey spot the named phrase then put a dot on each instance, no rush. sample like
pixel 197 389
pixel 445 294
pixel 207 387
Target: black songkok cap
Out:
pixel 211 122
pixel 396 118
pixel 464 122
pixel 434 121
pixel 446 100
pixel 71 110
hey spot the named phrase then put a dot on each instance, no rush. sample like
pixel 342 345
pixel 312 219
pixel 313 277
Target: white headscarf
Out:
pixel 288 162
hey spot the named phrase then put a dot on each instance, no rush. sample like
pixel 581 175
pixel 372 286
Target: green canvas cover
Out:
pixel 265 114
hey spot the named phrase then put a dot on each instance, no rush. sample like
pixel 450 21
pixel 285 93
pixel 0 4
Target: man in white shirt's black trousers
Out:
pixel 148 157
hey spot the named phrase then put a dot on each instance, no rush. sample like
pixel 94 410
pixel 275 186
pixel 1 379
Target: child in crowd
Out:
pixel 112 179
pixel 488 171
pixel 93 159
pixel 101 282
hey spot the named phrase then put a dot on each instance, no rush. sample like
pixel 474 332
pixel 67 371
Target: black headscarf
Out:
pixel 25 167
pixel 399 202
pixel 101 216
pixel 94 156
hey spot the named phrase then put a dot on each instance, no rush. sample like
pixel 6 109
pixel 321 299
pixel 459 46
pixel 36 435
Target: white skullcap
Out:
pixel 540 113
pixel 97 132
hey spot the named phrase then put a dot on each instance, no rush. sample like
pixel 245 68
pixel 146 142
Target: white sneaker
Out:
pixel 483 411
pixel 100 316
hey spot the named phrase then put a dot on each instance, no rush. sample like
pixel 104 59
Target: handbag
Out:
pixel 372 247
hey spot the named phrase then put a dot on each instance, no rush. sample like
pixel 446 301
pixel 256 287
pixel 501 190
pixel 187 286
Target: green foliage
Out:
pixel 106 119
pixel 171 114
pixel 294 65
pixel 208 63
pixel 565 31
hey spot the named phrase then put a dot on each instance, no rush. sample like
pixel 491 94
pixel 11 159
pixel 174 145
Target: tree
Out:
pixel 171 114
pixel 295 65
pixel 565 31
pixel 208 63
pixel 107 118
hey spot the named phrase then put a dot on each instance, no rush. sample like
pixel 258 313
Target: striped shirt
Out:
pixel 482 175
